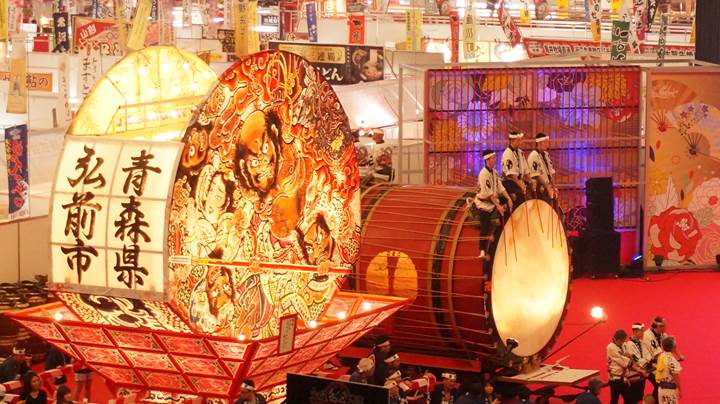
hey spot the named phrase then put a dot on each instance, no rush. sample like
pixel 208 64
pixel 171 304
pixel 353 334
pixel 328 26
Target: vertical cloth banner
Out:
pixel 469 37
pixel 4 20
pixel 356 29
pixel 562 11
pixel 64 90
pixel 615 6
pixel 60 26
pixel 639 18
pixel 165 22
pixel 595 19
pixel 511 30
pixel 454 35
pixel 413 28
pixel 651 10
pixel 17 168
pixel 693 32
pixel 525 17
pixel 17 85
pixel 662 35
pixel 246 39
pixel 620 35
pixel 311 15
pixel 186 13
pixel 136 38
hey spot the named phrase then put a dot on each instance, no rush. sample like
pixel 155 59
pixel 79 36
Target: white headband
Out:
pixel 390 384
pixel 386 343
pixel 396 375
pixel 639 326
pixel 541 139
pixel 516 135
pixel 451 376
pixel 393 358
pixel 18 351
pixel 488 156
pixel 247 387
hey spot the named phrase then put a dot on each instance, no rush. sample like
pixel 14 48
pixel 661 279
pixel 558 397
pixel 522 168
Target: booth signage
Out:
pixel 16 153
pixel 340 64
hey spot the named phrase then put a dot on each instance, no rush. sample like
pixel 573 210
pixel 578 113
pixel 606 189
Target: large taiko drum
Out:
pixel 419 242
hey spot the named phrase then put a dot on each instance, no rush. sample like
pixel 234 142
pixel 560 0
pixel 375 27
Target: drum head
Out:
pixel 530 277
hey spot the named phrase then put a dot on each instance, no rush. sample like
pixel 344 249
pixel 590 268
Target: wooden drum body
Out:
pixel 418 242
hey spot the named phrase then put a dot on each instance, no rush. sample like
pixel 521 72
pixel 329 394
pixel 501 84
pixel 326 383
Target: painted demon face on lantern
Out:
pixel 257 151
pixel 218 289
pixel 319 244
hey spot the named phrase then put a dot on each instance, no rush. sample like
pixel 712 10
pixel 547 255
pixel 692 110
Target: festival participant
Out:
pixel 488 395
pixel 515 169
pixel 667 374
pixel 637 373
pixel 590 396
pixel 248 394
pixel 364 372
pixel 63 395
pixel 392 363
pixel 541 170
pixel 15 366
pixel 487 209
pixel 445 392
pixel 619 361
pixel 380 351
pixel 394 393
pixel 32 393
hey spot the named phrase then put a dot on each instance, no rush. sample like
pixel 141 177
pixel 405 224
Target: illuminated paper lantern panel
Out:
pixel 109 216
pixel 149 94
pixel 268 172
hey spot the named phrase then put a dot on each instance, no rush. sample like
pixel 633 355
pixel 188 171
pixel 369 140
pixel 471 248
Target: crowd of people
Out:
pixel 17 368
pixel 648 355
pixel 498 193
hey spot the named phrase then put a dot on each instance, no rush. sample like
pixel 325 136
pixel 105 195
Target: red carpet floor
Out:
pixel 688 301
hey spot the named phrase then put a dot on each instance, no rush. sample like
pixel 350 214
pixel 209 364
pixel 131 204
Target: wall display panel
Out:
pixel 590 113
pixel 267 173
pixel 682 206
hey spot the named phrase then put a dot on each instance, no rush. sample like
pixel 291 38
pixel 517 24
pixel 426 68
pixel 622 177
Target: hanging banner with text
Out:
pixel 595 20
pixel 469 38
pixel 17 87
pixel 63 107
pixel 60 26
pixel 620 35
pixel 311 15
pixel 662 36
pixel 136 38
pixel 108 217
pixel 539 47
pixel 652 10
pixel 639 18
pixel 34 81
pixel 246 39
pixel 511 30
pixel 356 29
pixel 340 64
pixel 16 153
pixel 89 69
pixel 4 20
pixel 413 29
pixel 454 36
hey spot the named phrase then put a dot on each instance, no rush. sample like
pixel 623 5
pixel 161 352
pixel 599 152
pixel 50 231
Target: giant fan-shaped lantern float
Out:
pixel 464 307
pixel 187 286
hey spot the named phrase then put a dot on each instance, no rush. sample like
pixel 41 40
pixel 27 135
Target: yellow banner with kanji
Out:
pixel 136 39
pixel 615 6
pixel 246 39
pixel 413 28
pixel 3 20
pixel 692 33
pixel 563 6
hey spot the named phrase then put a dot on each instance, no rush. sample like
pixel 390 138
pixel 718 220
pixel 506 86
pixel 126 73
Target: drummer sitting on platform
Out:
pixel 541 169
pixel 515 169
pixel 487 208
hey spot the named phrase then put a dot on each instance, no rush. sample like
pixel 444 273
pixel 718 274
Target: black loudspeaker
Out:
pixel 707 46
pixel 600 204
pixel 597 254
